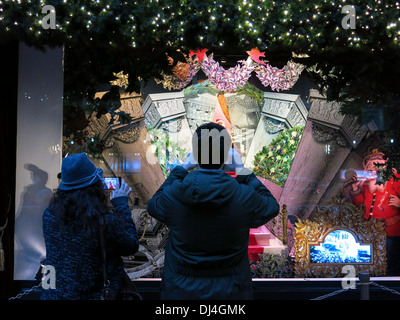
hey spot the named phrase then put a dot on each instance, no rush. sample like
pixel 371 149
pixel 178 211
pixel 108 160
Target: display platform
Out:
pixel 384 288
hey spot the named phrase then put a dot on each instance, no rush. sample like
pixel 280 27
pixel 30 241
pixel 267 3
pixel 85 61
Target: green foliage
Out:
pixel 168 152
pixel 195 90
pixel 391 149
pixel 105 36
pixel 251 91
pixel 273 266
pixel 274 161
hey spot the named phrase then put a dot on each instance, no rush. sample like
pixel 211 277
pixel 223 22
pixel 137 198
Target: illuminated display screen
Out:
pixel 111 183
pixel 340 247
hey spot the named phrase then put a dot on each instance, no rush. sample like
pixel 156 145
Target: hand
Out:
pixel 394 201
pixel 189 163
pixel 121 190
pixel 355 184
pixel 234 162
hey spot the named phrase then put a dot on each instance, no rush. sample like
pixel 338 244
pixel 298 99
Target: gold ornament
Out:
pixel 121 81
pixel 339 214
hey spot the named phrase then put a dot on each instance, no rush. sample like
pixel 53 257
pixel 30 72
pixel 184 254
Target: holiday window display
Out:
pixel 265 126
pixel 312 37
pixel 170 120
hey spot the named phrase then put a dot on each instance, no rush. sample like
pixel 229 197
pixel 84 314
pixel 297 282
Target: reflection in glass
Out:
pixel 340 247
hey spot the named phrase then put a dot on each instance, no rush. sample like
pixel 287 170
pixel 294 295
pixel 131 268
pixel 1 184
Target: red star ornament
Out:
pixel 199 52
pixel 255 54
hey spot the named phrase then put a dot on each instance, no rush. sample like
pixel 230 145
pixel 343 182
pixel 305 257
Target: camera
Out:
pixel 111 183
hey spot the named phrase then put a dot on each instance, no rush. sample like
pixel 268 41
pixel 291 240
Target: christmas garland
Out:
pixel 274 161
pixel 227 80
pixel 280 79
pixel 233 78
pixel 182 74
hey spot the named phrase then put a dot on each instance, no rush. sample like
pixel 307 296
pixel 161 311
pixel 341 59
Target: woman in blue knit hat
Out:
pixel 71 232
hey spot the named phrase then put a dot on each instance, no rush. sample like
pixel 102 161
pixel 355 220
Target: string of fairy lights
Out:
pixel 356 62
pixel 254 21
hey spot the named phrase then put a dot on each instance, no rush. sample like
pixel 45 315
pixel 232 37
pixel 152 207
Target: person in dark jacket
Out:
pixel 209 213
pixel 71 233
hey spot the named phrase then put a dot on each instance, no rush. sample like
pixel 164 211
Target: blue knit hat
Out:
pixel 77 171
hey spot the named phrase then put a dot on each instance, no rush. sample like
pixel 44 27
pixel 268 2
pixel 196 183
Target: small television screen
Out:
pixel 340 246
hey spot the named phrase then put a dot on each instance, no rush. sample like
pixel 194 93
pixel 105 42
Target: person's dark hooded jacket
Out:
pixel 209 214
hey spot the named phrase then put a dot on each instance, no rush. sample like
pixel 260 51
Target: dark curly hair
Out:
pixel 86 204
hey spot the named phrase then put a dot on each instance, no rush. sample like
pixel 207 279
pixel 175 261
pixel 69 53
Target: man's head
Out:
pixel 211 143
pixel 373 158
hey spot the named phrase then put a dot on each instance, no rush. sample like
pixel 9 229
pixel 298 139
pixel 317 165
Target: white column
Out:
pixel 39 151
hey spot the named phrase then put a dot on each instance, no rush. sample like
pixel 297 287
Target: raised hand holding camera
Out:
pixel 121 190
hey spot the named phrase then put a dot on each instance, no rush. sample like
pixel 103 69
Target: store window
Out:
pixel 297 143
pixel 316 156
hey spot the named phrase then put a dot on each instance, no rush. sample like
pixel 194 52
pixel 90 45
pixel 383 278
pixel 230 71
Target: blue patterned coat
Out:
pixel 75 253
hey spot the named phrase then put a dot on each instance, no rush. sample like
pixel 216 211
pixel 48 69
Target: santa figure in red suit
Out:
pixel 382 201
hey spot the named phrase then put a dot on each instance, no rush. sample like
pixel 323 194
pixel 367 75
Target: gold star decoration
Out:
pixel 121 81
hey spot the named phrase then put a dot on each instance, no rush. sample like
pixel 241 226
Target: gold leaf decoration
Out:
pixel 339 214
